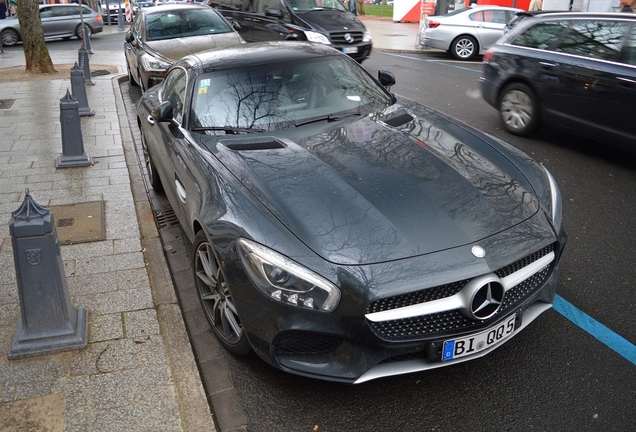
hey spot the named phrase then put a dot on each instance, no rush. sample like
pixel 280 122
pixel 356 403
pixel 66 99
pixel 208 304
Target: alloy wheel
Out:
pixel 517 110
pixel 216 299
pixel 9 37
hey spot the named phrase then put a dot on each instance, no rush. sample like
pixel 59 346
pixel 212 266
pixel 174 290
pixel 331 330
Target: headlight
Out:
pixel 317 37
pixel 154 64
pixel 556 207
pixel 366 37
pixel 283 280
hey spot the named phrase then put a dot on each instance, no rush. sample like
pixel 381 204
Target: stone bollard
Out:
pixel 73 154
pixel 49 323
pixel 78 89
pixel 84 63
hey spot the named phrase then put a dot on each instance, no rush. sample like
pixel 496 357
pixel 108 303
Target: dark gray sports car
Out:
pixel 339 231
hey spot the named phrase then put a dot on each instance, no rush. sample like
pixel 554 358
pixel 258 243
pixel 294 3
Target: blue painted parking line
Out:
pixel 616 342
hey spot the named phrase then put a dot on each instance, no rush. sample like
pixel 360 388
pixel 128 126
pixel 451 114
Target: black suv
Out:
pixel 572 70
pixel 323 21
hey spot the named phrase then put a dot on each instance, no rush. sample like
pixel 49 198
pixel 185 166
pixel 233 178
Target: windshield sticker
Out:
pixel 203 86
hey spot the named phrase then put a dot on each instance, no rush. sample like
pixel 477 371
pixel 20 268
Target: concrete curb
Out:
pixel 191 397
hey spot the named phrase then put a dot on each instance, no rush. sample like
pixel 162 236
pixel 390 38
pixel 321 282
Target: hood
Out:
pixel 175 49
pixel 381 188
pixel 331 20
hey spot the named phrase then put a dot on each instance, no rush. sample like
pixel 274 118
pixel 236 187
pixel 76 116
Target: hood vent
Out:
pixel 263 143
pixel 399 120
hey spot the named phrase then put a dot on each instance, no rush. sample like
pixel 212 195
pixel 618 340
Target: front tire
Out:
pixel 519 109
pixel 464 48
pixel 215 297
pixel 9 37
pixel 131 78
pixel 153 175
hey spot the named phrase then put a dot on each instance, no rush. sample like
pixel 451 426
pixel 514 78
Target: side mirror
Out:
pixel 386 78
pixel 163 113
pixel 236 26
pixel 274 13
pixel 129 37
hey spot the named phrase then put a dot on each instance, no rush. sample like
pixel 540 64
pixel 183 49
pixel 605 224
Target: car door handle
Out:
pixel 548 64
pixel 150 120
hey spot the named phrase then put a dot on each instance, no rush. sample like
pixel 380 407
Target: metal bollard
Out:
pixel 86 40
pixel 78 88
pixel 73 154
pixel 49 323
pixel 82 56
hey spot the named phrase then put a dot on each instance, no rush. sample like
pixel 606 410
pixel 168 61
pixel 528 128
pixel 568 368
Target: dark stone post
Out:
pixel 84 63
pixel 49 322
pixel 79 91
pixel 73 154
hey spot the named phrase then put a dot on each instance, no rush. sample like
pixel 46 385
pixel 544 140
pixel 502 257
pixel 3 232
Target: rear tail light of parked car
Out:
pixel 432 24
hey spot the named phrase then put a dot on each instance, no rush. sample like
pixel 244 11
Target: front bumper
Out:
pixel 346 346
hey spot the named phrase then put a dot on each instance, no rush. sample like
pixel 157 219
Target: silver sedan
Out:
pixel 58 21
pixel 467 32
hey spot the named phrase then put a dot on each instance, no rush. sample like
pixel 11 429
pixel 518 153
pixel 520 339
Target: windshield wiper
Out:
pixel 228 129
pixel 329 118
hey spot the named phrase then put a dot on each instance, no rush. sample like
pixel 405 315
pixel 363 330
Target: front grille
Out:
pixel 338 38
pixel 435 325
pixel 305 343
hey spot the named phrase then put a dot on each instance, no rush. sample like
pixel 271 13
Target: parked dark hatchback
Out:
pixel 572 70
pixel 338 231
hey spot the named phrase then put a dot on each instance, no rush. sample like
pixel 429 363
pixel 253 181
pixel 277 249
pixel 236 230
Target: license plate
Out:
pixel 457 348
pixel 350 50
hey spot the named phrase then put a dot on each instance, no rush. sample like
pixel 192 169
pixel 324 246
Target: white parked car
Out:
pixel 466 32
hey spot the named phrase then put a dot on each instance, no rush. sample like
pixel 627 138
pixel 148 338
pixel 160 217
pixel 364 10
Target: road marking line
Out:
pixel 614 341
pixel 447 63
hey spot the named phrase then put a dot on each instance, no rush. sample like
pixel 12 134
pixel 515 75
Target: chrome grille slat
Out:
pixel 438 324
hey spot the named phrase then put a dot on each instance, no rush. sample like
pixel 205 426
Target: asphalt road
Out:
pixel 555 375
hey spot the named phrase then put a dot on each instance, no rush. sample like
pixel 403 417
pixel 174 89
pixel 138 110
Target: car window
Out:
pixel 174 91
pixel 594 39
pixel 279 93
pixel 630 48
pixel 184 23
pixel 541 35
pixel 136 27
pixel 46 12
pixel 493 16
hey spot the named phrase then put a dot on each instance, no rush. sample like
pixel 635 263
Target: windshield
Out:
pixel 183 23
pixel 280 95
pixel 310 5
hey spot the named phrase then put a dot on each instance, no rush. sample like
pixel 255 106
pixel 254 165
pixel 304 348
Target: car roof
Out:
pixel 257 53
pixel 578 15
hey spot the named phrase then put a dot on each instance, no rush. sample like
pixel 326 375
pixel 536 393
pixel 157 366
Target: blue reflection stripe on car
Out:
pixel 616 342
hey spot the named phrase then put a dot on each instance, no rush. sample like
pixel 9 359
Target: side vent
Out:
pixel 399 120
pixel 267 143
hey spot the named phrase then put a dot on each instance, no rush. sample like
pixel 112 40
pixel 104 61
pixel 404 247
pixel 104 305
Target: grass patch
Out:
pixel 379 10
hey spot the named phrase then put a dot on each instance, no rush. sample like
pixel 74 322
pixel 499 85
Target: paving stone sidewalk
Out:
pixel 138 372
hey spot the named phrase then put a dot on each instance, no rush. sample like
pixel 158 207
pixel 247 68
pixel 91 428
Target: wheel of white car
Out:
pixel 464 47
pixel 519 109
pixel 215 297
pixel 9 37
